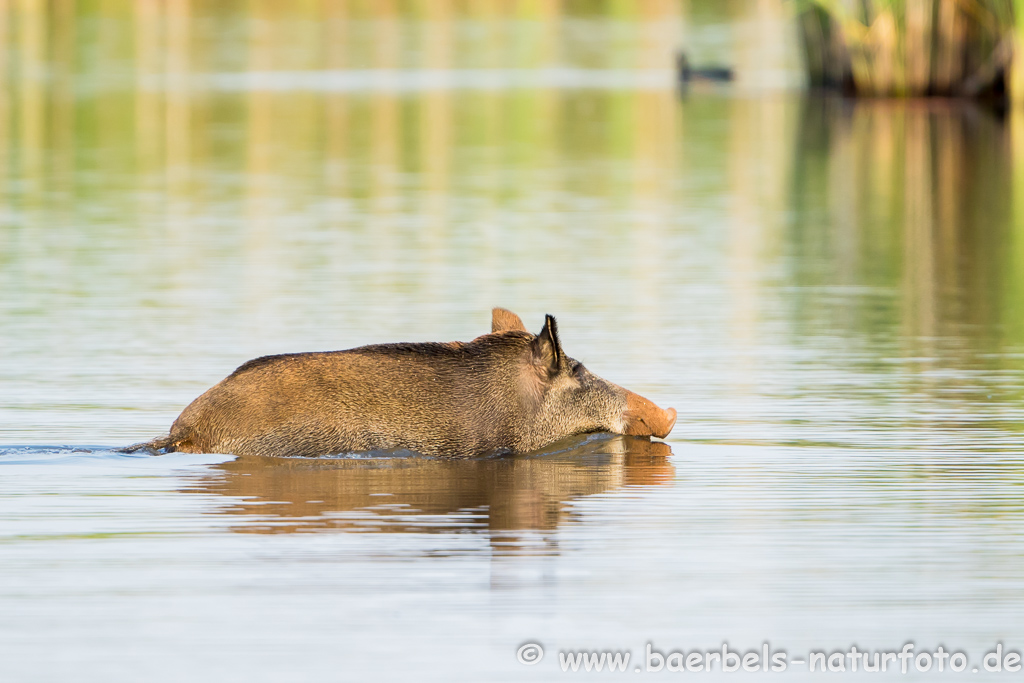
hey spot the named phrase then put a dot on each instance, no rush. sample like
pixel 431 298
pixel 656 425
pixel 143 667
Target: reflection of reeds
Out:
pixel 909 47
pixel 5 142
pixel 119 96
pixel 1015 293
pixel 925 185
pixel 31 95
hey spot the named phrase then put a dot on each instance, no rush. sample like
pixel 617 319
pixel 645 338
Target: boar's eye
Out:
pixel 579 371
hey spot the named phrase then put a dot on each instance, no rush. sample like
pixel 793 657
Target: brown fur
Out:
pixel 508 391
pixel 503 320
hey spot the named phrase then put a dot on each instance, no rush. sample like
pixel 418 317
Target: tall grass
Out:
pixel 914 47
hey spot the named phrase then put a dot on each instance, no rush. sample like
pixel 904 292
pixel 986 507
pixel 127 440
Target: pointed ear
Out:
pixel 547 350
pixel 503 320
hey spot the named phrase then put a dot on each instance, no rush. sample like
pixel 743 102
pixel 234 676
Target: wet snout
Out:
pixel 643 418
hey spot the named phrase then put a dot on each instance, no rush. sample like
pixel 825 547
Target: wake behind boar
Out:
pixel 504 392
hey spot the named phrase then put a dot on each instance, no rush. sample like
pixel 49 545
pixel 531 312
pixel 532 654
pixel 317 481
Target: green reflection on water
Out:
pixel 165 212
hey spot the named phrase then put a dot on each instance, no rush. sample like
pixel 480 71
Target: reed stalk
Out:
pixel 914 48
pixel 1017 68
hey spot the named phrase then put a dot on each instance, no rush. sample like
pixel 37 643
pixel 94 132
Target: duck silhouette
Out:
pixel 688 73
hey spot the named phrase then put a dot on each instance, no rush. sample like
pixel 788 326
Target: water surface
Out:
pixel 830 294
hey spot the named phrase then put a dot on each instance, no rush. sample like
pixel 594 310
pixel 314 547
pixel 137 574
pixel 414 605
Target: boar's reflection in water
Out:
pixel 504 392
pixel 418 495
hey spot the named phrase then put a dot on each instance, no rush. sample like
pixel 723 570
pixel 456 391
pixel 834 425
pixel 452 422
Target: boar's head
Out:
pixel 561 397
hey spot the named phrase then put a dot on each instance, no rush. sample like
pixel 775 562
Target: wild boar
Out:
pixel 509 391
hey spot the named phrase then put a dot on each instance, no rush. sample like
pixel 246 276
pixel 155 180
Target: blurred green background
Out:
pixel 192 183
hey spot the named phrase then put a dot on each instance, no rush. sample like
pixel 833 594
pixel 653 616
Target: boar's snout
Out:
pixel 643 418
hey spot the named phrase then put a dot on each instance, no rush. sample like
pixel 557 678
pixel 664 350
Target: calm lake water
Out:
pixel 831 294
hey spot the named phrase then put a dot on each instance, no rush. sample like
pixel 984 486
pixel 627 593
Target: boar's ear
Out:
pixel 503 320
pixel 547 350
